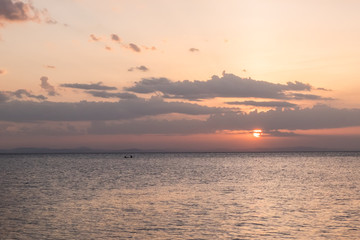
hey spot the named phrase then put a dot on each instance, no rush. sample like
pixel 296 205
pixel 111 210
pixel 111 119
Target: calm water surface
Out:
pixel 180 196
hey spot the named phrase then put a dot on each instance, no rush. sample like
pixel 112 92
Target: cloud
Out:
pixel 104 94
pixel 51 21
pixel 134 47
pixel 3 71
pixel 149 126
pixel 140 68
pixel 263 104
pixel 127 115
pixel 50 66
pixel 6 96
pixel 317 117
pixel 324 89
pixel 131 46
pixel 301 96
pixel 41 129
pixel 21 93
pixel 47 18
pixel 20 111
pixel 115 37
pixel 276 133
pixel 47 86
pixel 194 50
pixel 18 11
pixel 92 86
pixel 94 38
pixel 228 85
pixel 298 86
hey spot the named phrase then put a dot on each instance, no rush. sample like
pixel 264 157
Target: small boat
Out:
pixel 128 156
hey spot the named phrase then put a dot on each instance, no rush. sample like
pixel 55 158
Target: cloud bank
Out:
pixel 227 86
pixel 273 122
pixel 317 117
pixel 19 111
pixel 28 113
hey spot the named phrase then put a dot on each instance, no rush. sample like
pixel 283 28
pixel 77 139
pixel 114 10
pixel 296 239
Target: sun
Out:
pixel 257 133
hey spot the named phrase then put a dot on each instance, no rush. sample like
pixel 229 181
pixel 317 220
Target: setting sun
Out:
pixel 257 133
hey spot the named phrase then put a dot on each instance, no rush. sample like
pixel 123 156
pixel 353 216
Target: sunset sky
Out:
pixel 180 75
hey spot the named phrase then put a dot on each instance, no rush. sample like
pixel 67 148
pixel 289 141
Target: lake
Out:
pixel 302 195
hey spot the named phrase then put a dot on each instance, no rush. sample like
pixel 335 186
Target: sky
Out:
pixel 180 75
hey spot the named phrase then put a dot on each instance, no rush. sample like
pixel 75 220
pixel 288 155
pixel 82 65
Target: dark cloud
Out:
pixel 92 86
pixel 134 47
pixel 277 123
pixel 194 50
pixel 115 38
pixel 140 68
pixel 127 116
pixel 17 11
pixel 276 133
pixel 318 117
pixel 104 94
pixel 301 96
pixel 6 96
pixel 263 104
pixel 228 85
pixel 19 111
pixel 150 126
pixel 12 11
pixel 21 93
pixel 47 86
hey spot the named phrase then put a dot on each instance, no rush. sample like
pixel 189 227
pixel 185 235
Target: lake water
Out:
pixel 180 196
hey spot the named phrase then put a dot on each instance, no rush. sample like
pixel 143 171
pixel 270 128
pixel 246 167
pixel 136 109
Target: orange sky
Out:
pixel 181 75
